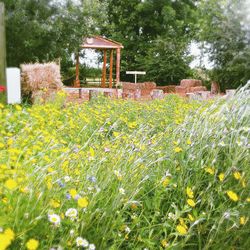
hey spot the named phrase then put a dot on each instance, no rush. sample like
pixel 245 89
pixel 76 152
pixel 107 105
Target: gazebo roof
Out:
pixel 98 42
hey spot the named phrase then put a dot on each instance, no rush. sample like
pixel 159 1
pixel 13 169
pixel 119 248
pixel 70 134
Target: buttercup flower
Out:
pixel 221 177
pixel 181 230
pixel 191 202
pixel 232 195
pixel 11 184
pixel 32 244
pixel 83 202
pixel 190 193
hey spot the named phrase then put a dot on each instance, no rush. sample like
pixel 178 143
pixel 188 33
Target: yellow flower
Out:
pixel 18 107
pixel 191 218
pixel 189 142
pixel 49 184
pixel 116 134
pixel 243 220
pixel 55 203
pixel 189 192
pixel 1 144
pixel 11 184
pixel 181 230
pixel 4 242
pixel 50 170
pixel 165 182
pixel 248 199
pixel 6 238
pixel 221 177
pixel 10 142
pixel 210 170
pixel 237 175
pixel 32 244
pixel 91 152
pixel 164 243
pixel 191 202
pixel 9 234
pixel 232 195
pixel 178 150
pixel 83 202
pixel 73 192
pixel 132 125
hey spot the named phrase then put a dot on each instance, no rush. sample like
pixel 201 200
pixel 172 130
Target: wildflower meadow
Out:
pixel 116 174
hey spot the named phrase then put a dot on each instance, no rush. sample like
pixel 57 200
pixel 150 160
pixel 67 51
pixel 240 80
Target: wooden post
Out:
pixel 118 59
pixel 3 82
pixel 103 85
pixel 111 69
pixel 77 81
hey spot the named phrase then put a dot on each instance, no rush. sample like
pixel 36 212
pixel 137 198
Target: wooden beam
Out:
pixel 3 82
pixel 103 85
pixel 111 69
pixel 77 81
pixel 118 59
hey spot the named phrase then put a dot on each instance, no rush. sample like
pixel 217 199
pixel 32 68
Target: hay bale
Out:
pixel 188 83
pixel 145 88
pixel 35 77
pixel 157 94
pixel 181 90
pixel 167 89
pixel 42 81
pixel 196 89
pixel 215 88
pixel 171 88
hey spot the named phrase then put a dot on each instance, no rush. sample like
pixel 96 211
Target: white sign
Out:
pixel 135 73
pixel 13 86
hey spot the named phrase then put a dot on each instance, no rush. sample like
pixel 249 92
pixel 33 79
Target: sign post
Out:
pixel 135 73
pixel 3 83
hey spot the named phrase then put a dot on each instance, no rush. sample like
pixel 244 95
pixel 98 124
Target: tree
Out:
pixel 143 26
pixel 223 28
pixel 45 30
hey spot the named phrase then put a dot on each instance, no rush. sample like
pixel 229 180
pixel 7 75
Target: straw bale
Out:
pixel 36 77
pixel 188 83
pixel 145 88
pixel 181 90
pixel 198 88
pixel 149 85
pixel 167 89
pixel 215 88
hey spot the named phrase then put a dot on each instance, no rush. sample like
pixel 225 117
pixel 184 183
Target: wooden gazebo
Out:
pixel 101 43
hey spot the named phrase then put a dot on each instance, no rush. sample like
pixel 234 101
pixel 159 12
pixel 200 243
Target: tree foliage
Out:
pixel 155 34
pixel 44 30
pixel 223 27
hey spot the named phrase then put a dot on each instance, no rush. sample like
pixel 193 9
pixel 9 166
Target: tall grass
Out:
pixel 167 174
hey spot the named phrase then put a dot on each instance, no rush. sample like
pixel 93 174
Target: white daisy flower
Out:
pixel 71 212
pixel 91 247
pixel 67 178
pixel 80 242
pixel 121 191
pixel 55 219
